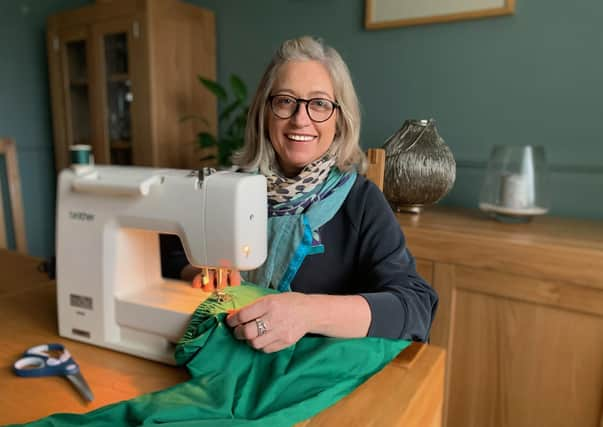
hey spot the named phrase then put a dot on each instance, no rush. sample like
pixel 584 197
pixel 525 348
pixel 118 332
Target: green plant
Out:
pixel 231 120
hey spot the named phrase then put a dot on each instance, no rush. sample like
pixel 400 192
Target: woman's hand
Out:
pixel 273 322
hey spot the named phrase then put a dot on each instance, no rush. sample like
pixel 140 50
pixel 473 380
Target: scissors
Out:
pixel 38 361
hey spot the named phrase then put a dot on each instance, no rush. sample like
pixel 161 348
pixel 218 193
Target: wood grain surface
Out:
pixel 408 391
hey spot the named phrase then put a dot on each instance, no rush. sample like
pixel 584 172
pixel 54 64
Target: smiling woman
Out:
pixel 336 252
pixel 300 136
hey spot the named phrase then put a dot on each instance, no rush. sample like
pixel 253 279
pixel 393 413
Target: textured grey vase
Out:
pixel 419 167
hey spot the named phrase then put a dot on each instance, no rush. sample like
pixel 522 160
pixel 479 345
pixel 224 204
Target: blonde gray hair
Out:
pixel 258 153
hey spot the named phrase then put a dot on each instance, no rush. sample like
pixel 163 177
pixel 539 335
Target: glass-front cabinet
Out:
pixel 115 41
pixel 119 97
pixel 78 87
pixel 73 54
pixel 123 74
pixel 97 90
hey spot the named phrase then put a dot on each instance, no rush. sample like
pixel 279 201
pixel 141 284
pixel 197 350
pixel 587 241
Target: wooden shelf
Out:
pixel 116 78
pixel 78 82
pixel 121 145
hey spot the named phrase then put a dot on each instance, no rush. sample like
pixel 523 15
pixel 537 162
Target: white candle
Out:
pixel 514 191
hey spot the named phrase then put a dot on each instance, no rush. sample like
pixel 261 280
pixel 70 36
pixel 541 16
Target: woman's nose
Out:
pixel 301 117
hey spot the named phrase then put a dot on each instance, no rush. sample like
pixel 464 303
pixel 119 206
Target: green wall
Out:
pixel 535 77
pixel 532 78
pixel 25 112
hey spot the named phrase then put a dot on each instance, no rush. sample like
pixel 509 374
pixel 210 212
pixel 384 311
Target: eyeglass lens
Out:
pixel 318 109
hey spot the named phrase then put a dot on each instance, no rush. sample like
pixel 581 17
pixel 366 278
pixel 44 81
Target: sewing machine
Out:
pixel 110 289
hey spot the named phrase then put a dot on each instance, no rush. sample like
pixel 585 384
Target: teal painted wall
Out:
pixel 535 77
pixel 532 78
pixel 25 112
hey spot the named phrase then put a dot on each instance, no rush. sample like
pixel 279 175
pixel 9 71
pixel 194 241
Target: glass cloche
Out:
pixel 516 187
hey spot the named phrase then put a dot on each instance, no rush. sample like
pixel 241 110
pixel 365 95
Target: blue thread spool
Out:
pixel 80 154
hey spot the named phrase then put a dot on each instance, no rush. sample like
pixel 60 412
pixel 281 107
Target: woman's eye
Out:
pixel 284 101
pixel 320 103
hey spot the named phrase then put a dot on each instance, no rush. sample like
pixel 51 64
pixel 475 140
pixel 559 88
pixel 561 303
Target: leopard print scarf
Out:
pixel 282 189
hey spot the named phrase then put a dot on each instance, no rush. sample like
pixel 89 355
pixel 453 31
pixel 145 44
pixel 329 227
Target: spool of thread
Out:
pixel 80 154
pixel 82 160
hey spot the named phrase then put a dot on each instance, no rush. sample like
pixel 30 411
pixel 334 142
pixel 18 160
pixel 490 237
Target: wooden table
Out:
pixel 409 391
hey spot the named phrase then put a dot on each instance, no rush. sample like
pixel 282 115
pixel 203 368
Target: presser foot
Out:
pixel 221 296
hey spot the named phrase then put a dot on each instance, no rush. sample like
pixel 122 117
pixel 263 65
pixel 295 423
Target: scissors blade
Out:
pixel 81 385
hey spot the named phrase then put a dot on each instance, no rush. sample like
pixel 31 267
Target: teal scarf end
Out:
pixel 290 237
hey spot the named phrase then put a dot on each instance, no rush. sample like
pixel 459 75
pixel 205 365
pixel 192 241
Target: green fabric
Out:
pixel 234 385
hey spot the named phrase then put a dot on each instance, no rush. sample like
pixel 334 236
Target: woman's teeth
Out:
pixel 300 138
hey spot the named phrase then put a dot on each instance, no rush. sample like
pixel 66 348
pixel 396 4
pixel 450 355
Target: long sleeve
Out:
pixel 402 303
pixel 365 254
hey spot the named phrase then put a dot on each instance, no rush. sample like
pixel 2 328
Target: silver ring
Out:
pixel 262 329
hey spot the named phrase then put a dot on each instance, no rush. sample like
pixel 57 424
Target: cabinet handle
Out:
pixel 136 29
pixel 55 43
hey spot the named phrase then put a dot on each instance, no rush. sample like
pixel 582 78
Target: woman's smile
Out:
pixel 298 140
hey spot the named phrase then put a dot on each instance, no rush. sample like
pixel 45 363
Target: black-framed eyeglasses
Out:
pixel 319 109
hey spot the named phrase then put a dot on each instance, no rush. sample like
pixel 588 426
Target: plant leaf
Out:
pixel 239 89
pixel 224 154
pixel 229 109
pixel 232 119
pixel 205 139
pixel 240 122
pixel 214 87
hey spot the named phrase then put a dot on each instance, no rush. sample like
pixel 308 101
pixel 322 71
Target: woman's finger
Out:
pixel 274 347
pixel 241 332
pixel 248 313
pixel 197 281
pixel 253 331
pixel 246 331
pixel 234 278
pixel 265 341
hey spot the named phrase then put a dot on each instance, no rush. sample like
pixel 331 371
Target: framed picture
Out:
pixel 396 13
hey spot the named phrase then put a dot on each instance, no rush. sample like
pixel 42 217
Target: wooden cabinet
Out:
pixel 124 73
pixel 521 316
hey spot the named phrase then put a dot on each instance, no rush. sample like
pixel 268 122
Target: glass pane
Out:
pixel 78 92
pixel 119 98
pixel 116 53
pixel 76 58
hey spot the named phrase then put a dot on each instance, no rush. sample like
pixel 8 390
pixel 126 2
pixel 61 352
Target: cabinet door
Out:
pixel 117 43
pixel 521 351
pixel 70 62
pixel 425 269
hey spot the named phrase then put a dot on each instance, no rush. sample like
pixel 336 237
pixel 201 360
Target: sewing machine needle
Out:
pixel 205 277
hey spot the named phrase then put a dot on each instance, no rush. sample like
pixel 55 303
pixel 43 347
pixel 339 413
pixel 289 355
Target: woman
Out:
pixel 334 242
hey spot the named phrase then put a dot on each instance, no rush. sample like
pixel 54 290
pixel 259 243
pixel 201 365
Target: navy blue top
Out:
pixel 365 253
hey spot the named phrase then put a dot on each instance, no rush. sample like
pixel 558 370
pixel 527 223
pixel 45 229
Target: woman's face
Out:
pixel 298 140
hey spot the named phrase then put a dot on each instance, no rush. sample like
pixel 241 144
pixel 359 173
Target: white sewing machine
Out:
pixel 110 289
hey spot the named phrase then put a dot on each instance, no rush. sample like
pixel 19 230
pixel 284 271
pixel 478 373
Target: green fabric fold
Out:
pixel 235 385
